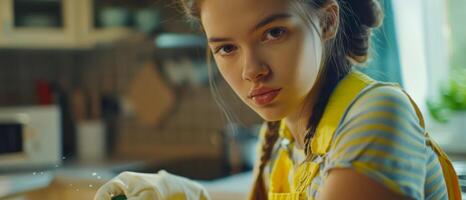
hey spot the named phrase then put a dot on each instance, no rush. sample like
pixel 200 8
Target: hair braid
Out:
pixel 259 192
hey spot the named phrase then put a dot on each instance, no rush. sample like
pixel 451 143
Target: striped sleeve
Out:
pixel 380 137
pixel 435 186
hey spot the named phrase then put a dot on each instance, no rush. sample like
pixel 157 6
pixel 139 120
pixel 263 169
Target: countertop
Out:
pixel 91 175
pixel 12 184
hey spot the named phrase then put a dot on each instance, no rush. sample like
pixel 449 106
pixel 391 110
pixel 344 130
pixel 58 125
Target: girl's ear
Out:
pixel 330 20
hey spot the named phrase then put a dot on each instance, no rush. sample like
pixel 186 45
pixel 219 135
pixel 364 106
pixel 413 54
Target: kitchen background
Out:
pixel 121 85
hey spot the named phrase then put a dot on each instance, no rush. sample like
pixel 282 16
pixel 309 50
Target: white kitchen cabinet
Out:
pixel 52 24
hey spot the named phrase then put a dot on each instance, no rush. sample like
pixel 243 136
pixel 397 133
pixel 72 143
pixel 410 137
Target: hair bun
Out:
pixel 369 12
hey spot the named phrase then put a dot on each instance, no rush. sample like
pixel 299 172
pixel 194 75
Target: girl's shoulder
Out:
pixel 382 113
pixel 381 96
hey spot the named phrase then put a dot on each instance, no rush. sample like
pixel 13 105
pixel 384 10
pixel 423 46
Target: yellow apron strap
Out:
pixel 279 177
pixel 304 175
pixel 341 98
pixel 286 196
pixel 450 176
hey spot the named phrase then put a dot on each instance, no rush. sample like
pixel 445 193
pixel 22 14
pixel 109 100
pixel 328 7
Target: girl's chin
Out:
pixel 270 115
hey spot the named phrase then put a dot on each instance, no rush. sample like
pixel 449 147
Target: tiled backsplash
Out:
pixel 197 121
pixel 105 69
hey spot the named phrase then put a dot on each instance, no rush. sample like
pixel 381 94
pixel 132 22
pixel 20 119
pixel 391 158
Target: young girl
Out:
pixel 330 132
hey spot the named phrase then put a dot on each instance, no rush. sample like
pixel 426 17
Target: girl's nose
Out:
pixel 256 74
pixel 254 69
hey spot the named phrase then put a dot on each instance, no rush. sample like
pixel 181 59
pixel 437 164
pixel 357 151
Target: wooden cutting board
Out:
pixel 150 96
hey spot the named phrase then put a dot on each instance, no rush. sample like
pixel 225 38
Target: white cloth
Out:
pixel 160 186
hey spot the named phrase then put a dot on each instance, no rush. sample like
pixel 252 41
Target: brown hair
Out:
pixel 349 46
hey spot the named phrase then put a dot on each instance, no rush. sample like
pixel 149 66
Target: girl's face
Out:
pixel 266 52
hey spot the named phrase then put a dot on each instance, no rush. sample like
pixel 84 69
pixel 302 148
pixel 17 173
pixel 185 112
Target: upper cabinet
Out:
pixel 54 24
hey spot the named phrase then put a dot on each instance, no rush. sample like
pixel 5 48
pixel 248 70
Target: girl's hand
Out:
pixel 160 186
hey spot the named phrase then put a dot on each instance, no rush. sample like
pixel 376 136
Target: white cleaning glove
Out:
pixel 160 186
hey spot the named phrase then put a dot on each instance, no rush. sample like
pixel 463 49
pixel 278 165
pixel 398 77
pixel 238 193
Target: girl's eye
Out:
pixel 225 50
pixel 274 34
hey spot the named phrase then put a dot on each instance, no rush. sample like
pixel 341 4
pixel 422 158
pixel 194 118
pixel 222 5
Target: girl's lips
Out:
pixel 266 98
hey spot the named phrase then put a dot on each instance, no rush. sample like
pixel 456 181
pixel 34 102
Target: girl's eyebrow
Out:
pixel 262 23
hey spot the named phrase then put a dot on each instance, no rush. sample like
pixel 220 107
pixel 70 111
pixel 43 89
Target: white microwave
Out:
pixel 30 138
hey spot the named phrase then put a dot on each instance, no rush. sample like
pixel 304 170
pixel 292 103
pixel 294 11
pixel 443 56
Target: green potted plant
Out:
pixel 450 111
pixel 452 100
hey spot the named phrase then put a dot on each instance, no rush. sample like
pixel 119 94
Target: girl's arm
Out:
pixel 346 183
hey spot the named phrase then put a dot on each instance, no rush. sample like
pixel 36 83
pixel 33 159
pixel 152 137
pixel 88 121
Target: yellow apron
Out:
pixel 281 188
